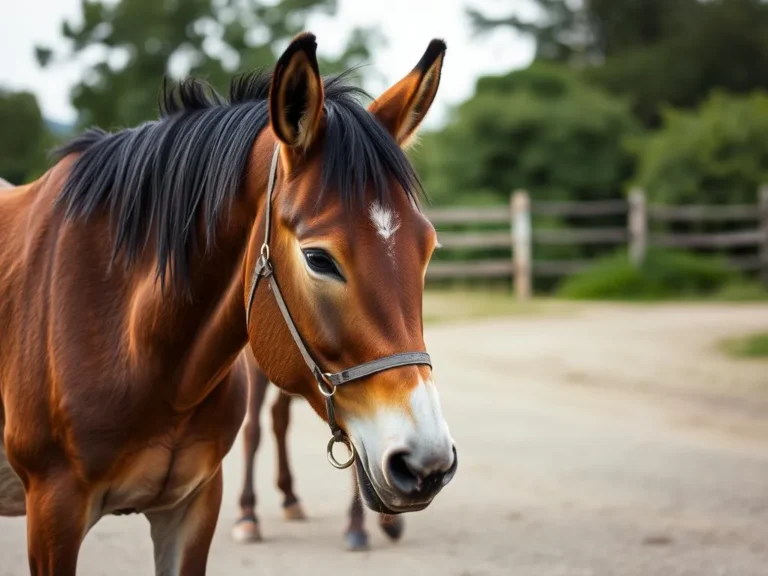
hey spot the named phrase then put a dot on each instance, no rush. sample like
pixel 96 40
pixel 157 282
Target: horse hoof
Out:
pixel 392 526
pixel 246 531
pixel 357 540
pixel 294 512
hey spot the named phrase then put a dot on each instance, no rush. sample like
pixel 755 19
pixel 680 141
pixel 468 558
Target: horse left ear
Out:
pixel 403 107
pixel 296 95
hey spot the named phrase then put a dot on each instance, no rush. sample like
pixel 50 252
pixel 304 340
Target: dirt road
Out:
pixel 611 440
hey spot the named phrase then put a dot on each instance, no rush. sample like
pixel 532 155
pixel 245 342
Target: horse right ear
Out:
pixel 403 107
pixel 296 95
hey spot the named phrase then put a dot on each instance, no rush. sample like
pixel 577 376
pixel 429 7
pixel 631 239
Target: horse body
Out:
pixel 124 273
pixel 110 404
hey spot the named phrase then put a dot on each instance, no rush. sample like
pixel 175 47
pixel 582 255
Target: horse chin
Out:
pixel 371 496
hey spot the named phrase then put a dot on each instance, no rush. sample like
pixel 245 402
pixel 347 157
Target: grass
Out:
pixel 457 305
pixel 749 346
pixel 742 291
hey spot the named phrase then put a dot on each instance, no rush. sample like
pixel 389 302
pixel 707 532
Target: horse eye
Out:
pixel 321 262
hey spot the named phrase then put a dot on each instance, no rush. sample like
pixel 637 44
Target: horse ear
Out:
pixel 402 108
pixel 296 94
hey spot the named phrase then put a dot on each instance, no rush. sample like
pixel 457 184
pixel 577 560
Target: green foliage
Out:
pixel 664 275
pixel 141 41
pixel 25 137
pixel 718 154
pixel 742 290
pixel 561 33
pixel 721 44
pixel 655 52
pixel 750 346
pixel 541 129
pixel 592 30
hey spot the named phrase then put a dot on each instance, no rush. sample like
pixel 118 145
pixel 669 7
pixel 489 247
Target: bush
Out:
pixel 716 155
pixel 664 275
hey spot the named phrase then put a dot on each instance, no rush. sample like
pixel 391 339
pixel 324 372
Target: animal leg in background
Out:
pixel 246 529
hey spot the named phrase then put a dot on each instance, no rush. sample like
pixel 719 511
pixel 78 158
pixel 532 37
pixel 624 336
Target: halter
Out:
pixel 326 382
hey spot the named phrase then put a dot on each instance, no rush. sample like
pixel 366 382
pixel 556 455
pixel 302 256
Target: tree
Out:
pixel 655 52
pixel 722 45
pixel 561 32
pixel 592 30
pixel 141 41
pixel 22 147
pixel 543 129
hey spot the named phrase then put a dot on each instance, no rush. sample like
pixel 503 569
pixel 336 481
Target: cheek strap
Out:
pixel 326 381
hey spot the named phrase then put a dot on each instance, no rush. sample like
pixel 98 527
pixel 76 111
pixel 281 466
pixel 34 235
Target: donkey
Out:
pixel 139 266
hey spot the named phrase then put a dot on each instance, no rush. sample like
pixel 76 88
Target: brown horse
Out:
pixel 129 285
pixel 247 528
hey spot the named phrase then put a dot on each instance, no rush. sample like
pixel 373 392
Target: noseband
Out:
pixel 327 382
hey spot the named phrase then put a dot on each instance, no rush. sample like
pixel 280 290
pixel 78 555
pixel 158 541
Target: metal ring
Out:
pixel 331 386
pixel 332 459
pixel 265 251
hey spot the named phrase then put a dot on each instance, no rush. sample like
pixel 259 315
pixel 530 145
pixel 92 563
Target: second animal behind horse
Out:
pixel 247 528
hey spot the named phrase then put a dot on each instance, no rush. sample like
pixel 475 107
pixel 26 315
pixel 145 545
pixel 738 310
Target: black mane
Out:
pixel 156 179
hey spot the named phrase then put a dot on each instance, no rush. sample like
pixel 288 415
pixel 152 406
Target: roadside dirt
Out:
pixel 616 440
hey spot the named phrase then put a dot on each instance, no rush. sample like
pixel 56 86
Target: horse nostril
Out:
pixel 401 475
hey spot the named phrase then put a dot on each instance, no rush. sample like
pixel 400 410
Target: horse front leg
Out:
pixel 182 535
pixel 57 521
pixel 355 535
pixel 246 529
pixel 281 419
pixel 392 526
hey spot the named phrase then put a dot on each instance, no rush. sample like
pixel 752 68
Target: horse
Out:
pixel 285 218
pixel 247 528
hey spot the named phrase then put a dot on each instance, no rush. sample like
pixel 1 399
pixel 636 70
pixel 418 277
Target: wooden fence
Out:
pixel 520 237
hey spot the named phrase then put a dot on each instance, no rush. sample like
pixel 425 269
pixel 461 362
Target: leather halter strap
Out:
pixel 326 381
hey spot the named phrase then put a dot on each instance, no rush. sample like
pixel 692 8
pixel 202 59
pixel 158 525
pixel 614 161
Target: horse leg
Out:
pixel 281 417
pixel 392 526
pixel 57 521
pixel 356 536
pixel 182 535
pixel 246 529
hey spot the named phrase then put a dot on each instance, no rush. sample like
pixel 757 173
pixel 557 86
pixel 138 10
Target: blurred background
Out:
pixel 598 175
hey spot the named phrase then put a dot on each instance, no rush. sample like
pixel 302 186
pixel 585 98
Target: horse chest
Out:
pixel 180 459
pixel 159 477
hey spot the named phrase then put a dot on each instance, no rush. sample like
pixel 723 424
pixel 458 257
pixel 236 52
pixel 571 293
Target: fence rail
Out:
pixel 722 213
pixel 520 237
pixel 586 209
pixel 469 215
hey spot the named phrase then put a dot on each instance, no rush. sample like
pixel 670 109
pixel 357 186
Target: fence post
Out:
pixel 520 206
pixel 763 206
pixel 637 223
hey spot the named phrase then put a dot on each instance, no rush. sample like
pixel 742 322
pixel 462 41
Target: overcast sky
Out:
pixel 408 26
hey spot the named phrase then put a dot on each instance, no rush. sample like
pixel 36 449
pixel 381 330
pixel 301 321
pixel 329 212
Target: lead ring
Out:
pixel 332 459
pixel 331 386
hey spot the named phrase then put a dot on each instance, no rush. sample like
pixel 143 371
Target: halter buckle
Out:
pixel 332 459
pixel 265 252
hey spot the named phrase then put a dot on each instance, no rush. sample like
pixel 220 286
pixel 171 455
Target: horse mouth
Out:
pixel 371 496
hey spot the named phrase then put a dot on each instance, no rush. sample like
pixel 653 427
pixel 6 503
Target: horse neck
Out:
pixel 204 331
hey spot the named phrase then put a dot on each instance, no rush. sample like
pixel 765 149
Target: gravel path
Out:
pixel 613 440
